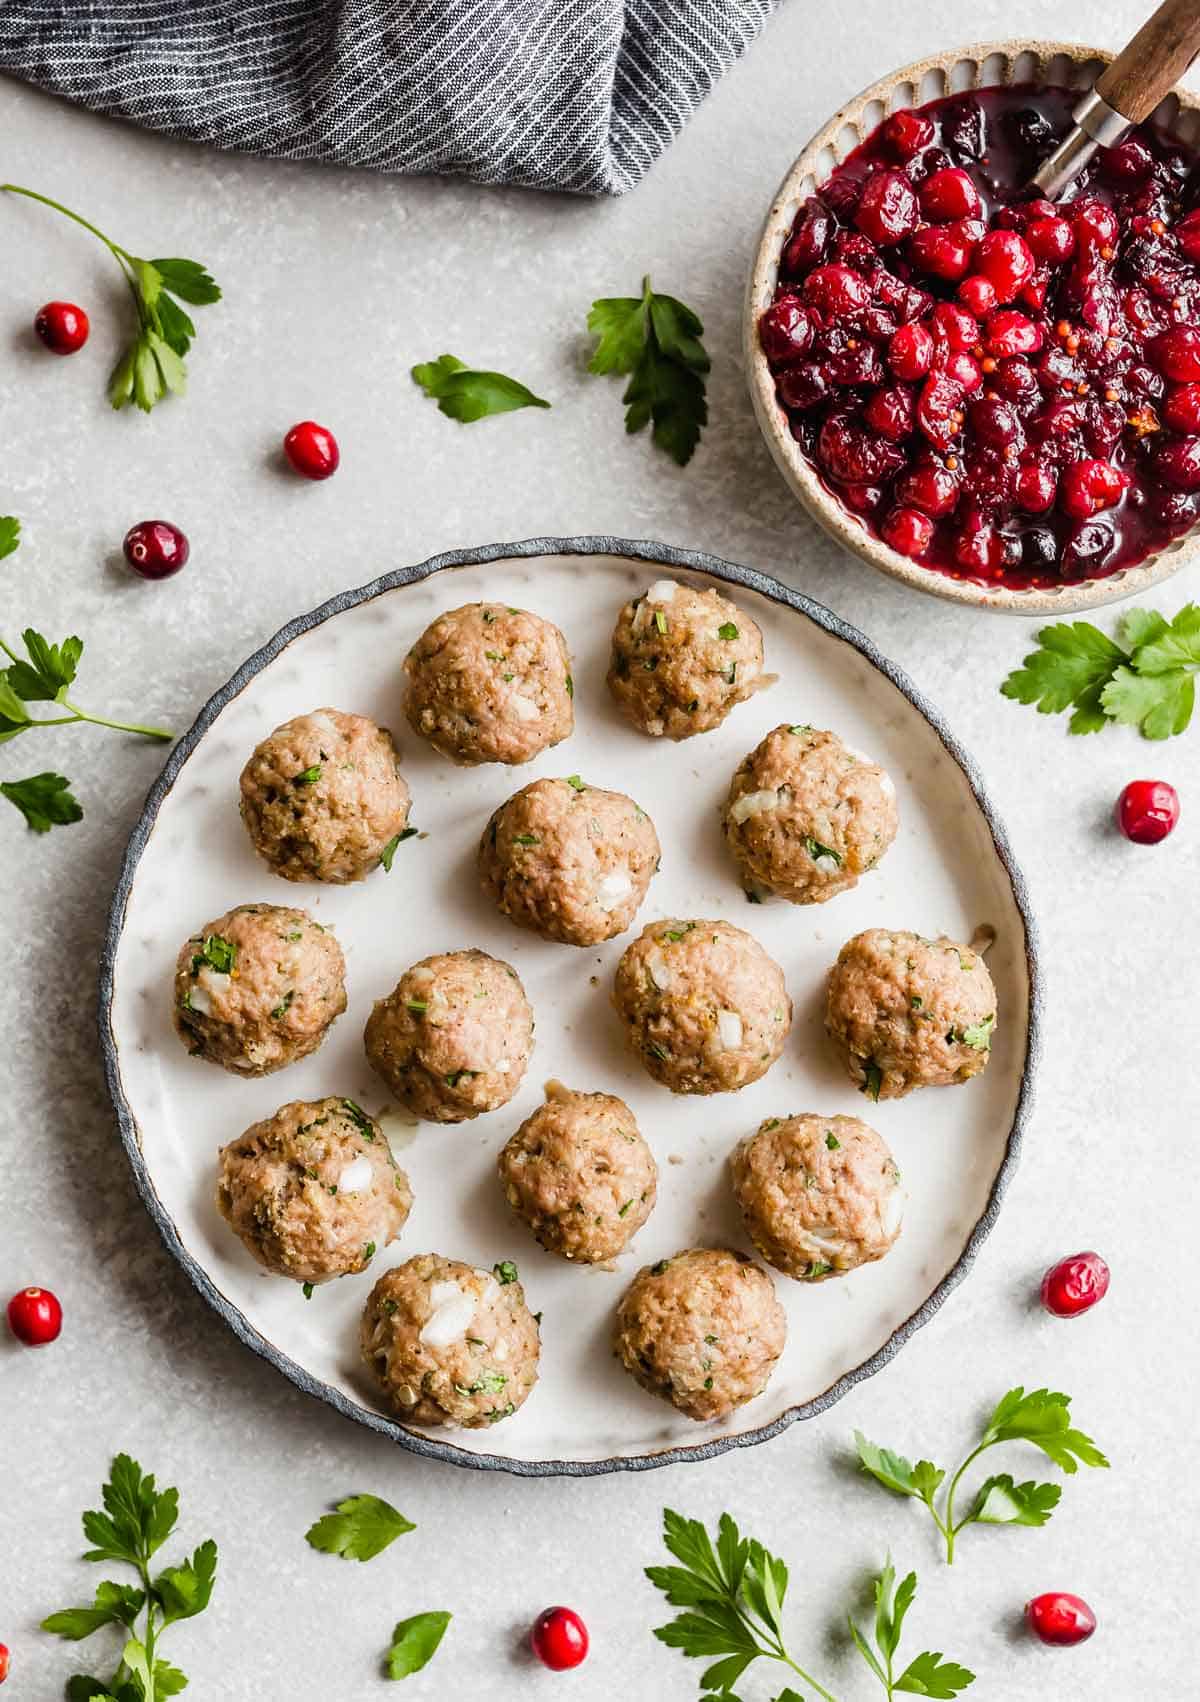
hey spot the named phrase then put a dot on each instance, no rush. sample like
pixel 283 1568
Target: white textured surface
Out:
pixel 336 284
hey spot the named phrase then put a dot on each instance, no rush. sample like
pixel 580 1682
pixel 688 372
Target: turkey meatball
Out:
pixel 580 1174
pixel 703 1330
pixel 450 1344
pixel 907 1012
pixel 313 1192
pixel 454 1036
pixel 569 861
pixel 487 683
pixel 705 1008
pixel 681 660
pixel 322 797
pixel 820 1195
pixel 806 816
pixel 258 988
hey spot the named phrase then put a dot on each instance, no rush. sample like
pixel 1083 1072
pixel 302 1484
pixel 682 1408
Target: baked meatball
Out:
pixel 313 1191
pixel 451 1344
pixel 487 683
pixel 454 1036
pixel 705 1008
pixel 580 1174
pixel 806 816
pixel 906 1012
pixel 322 797
pixel 820 1195
pixel 569 861
pixel 681 660
pixel 258 988
pixel 703 1330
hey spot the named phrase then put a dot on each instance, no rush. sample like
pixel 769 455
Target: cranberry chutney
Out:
pixel 1005 390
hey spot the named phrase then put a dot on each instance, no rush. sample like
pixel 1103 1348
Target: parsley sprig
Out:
pixel 1041 1417
pixel 136 1521
pixel 732 1592
pixel 655 341
pixel 152 366
pixel 43 675
pixel 1147 679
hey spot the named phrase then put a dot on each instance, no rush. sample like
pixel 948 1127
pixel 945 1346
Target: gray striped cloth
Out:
pixel 581 95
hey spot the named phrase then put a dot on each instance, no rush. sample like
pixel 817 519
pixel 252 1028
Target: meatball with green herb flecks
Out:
pixel 454 1036
pixel 682 659
pixel 907 1012
pixel 313 1192
pixel 703 1330
pixel 258 988
pixel 490 683
pixel 323 799
pixel 820 1195
pixel 448 1343
pixel 806 815
pixel 580 1174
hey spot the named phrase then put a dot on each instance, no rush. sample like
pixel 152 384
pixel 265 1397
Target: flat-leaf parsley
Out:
pixel 655 341
pixel 466 393
pixel 362 1527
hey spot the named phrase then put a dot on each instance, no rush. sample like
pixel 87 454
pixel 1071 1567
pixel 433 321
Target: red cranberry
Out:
pixel 1050 239
pixel 910 352
pixel 3 1662
pixel 1036 290
pixel 964 371
pixel 954 326
pixel 1039 550
pixel 836 290
pixel 942 250
pixel 1011 333
pixel 890 413
pixel 1089 487
pixel 939 410
pixel 1181 410
pixel 1187 234
pixel 1005 260
pixel 853 456
pixel 802 386
pixel 1037 488
pixel 857 365
pixel 977 296
pixel 994 423
pixel 559 1639
pixel 980 551
pixel 1015 379
pixel 931 487
pixel 1060 1619
pixel 1177 463
pixel 907 132
pixel 1128 162
pixel 156 549
pixel 887 210
pixel 1074 1285
pixel 1095 223
pixel 785 330
pixel 809 240
pixel 908 531
pixel 1176 353
pixel 35 1316
pixel 1147 811
pixel 963 127
pixel 948 195
pixel 63 327
pixel 862 499
pixel 312 450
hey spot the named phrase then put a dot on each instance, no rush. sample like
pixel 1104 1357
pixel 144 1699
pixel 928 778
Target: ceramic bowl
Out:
pixel 990 64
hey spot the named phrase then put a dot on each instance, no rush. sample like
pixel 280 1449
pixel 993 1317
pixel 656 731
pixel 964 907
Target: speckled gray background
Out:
pixel 335 284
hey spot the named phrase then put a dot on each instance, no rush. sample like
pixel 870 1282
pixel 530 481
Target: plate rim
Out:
pixel 430 1446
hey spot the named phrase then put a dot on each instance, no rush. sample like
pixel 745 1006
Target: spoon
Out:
pixel 1128 92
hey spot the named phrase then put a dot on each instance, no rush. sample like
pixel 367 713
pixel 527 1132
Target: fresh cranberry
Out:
pixel 853 456
pixel 977 296
pixel 155 549
pixel 62 327
pixel 1187 235
pixel 931 487
pixel 1095 224
pixel 1181 410
pixel 1037 488
pixel 803 386
pixel 1012 333
pixel 785 330
pixel 910 352
pixel 809 241
pixel 954 326
pixel 1147 811
pixel 1005 260
pixel 1176 353
pixel 890 413
pixel 1089 487
pixel 312 450
pixel 1050 239
pixel 993 422
pixel 948 195
pixel 908 531
pixel 559 1639
pixel 907 132
pixel 887 211
pixel 1177 463
pixel 1074 1285
pixel 3 1662
pixel 1060 1619
pixel 1128 162
pixel 35 1316
pixel 941 250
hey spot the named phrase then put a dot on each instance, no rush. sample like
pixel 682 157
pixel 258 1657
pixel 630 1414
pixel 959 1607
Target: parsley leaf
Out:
pixel 505 1272
pixel 115 1604
pixel 978 1035
pixel 465 393
pixel 930 1675
pixel 415 1642
pixel 389 850
pixel 1003 1502
pixel 362 1527
pixel 10 534
pixel 815 849
pixel 655 341
pixel 44 800
pixel 1072 667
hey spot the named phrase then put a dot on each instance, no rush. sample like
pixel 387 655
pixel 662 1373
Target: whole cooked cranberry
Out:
pixel 939 408
pixel 1010 332
pixel 910 352
pixel 931 487
pixel 1089 487
pixel 993 422
pixel 954 326
pixel 559 1638
pixel 1147 811
pixel 1102 427
pixel 1039 550
pixel 1030 129
pixel 887 209
pixel 1050 239
pixel 1144 383
pixel 963 370
pixel 802 386
pixel 809 239
pixel 1177 463
pixel 62 327
pixel 963 129
pixel 1036 290
pixel 863 499
pixel 840 195
pixel 312 450
pixel 977 296
pixel 1060 1619
pixel 906 133
pixel 1037 488
pixel 1074 1285
pixel 35 1317
pixel 1128 162
pixel 1181 410
pixel 785 330
pixel 853 456
pixel 1176 353
pixel 948 195
pixel 1187 235
pixel 1015 379
pixel 908 531
pixel 1174 510
pixel 1005 260
pixel 836 290
pixel 1087 549
pixel 855 365
pixel 941 250
pixel 1096 224
pixel 890 412
pixel 980 550
pixel 155 549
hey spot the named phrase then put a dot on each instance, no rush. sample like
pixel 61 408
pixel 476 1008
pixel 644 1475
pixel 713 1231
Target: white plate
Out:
pixel 949 871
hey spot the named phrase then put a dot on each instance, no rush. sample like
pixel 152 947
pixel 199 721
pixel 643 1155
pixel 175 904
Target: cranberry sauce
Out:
pixel 1003 389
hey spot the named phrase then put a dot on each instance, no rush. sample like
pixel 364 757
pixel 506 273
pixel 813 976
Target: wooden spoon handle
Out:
pixel 1154 60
